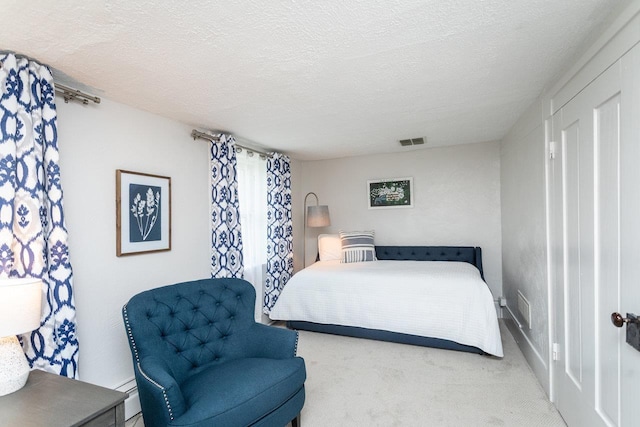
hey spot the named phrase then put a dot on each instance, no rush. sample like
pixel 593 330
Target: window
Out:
pixel 252 195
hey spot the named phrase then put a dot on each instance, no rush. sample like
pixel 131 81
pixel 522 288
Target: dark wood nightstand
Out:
pixel 51 400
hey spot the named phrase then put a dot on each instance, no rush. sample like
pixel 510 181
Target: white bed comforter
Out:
pixel 439 299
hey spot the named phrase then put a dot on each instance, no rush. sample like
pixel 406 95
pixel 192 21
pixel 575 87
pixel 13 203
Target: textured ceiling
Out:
pixel 316 79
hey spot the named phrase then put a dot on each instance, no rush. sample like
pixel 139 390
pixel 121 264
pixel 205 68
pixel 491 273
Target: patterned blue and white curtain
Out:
pixel 33 235
pixel 226 239
pixel 279 228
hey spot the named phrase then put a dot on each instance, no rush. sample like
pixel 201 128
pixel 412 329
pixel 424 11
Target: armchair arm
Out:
pixel 160 395
pixel 270 342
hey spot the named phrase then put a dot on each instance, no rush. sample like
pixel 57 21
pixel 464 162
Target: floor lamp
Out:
pixel 314 216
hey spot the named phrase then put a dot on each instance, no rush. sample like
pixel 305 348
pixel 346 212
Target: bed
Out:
pixel 443 302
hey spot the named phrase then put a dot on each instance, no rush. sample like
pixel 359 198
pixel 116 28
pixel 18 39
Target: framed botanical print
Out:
pixel 143 213
pixel 390 193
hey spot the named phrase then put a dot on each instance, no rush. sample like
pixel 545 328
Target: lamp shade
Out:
pixel 20 304
pixel 318 216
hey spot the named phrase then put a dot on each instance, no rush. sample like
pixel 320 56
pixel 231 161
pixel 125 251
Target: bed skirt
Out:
pixel 380 335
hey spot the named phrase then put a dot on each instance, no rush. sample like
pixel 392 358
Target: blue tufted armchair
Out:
pixel 200 359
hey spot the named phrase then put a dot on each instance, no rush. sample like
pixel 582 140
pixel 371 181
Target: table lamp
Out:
pixel 20 304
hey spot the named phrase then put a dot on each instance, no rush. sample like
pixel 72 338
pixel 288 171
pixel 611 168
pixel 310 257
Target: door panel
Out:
pixel 572 291
pixel 607 191
pixel 586 188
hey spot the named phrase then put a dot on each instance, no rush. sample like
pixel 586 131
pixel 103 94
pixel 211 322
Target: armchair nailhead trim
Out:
pixel 135 351
pixel 166 401
pixel 148 378
pixel 162 389
pixel 295 347
pixel 129 333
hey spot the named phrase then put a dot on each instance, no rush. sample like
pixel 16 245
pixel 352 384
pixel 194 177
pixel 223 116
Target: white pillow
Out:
pixel 329 247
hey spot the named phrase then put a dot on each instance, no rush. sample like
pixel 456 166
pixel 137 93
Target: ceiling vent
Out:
pixel 412 141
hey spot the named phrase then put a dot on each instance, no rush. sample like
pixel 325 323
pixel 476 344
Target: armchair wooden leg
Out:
pixel 296 421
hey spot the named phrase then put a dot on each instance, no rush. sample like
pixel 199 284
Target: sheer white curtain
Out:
pixel 252 194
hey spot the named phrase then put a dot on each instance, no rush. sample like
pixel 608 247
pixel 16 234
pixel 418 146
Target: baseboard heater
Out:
pixel 132 403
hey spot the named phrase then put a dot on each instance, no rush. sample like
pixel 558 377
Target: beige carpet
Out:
pixel 356 382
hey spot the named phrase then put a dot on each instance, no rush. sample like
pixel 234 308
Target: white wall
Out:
pixel 94 141
pixel 456 199
pixel 524 238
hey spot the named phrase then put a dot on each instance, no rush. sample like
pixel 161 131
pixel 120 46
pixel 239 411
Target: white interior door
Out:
pixel 573 179
pixel 595 232
pixel 629 234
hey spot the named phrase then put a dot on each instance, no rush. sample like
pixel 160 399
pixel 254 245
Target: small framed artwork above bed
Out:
pixel 390 193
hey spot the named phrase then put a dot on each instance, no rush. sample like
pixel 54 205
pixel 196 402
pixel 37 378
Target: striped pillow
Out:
pixel 357 246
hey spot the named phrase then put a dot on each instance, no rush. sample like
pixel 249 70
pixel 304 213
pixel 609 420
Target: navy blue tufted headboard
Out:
pixel 470 254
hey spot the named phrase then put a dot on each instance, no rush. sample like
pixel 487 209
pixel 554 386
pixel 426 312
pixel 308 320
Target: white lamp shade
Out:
pixel 20 305
pixel 318 216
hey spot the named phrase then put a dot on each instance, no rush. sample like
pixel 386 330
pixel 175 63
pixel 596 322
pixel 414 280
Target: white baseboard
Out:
pixel 531 354
pixel 131 403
